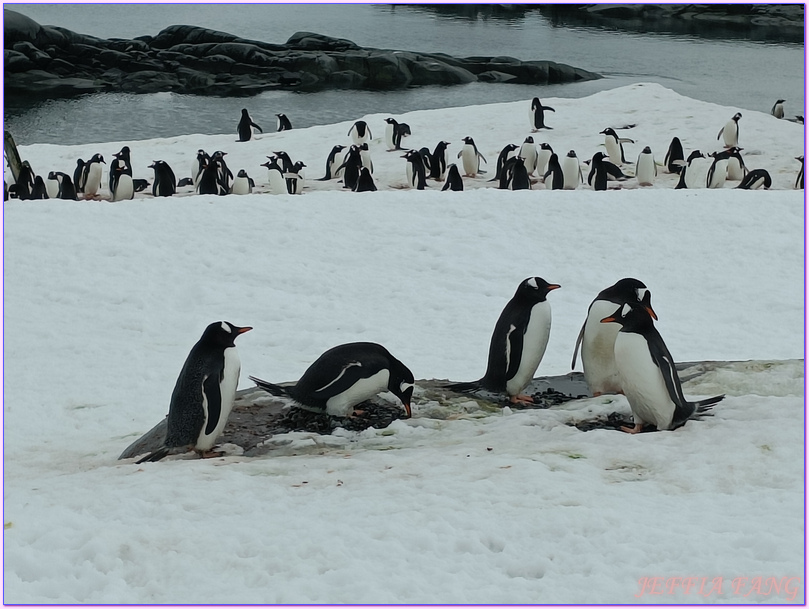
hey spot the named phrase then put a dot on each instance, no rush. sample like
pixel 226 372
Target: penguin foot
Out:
pixel 210 454
pixel 521 399
pixel 636 429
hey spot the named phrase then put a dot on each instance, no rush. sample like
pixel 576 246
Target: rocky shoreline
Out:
pixel 56 62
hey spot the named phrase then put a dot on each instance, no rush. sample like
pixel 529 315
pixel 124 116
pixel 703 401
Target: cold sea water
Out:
pixel 727 70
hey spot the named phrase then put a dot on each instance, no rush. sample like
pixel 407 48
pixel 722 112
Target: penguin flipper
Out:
pixel 270 388
pixel 213 394
pixel 156 455
pixel 578 344
pixel 548 108
pixel 718 135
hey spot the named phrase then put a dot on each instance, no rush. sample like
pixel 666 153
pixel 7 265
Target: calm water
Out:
pixel 741 73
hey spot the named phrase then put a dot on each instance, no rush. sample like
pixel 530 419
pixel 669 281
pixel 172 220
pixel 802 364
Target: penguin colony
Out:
pixel 531 164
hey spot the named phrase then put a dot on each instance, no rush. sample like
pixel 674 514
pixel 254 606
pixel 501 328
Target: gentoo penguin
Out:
pixel 204 393
pixel 730 131
pixel 470 158
pixel 351 167
pixel 91 176
pixel 208 182
pixel 778 109
pixel 693 174
pixel 345 376
pixel 518 342
pixel 40 191
pixel 519 175
pixel 736 168
pixel 394 132
pixel 78 177
pixel 365 157
pixel 164 183
pixel 556 173
pixel 597 340
pixel 245 128
pixel 615 145
pixel 365 182
pixel 718 171
pixel 506 153
pixel 66 188
pixel 25 181
pixel 360 133
pixel 543 154
pixel 645 168
pixel 332 163
pixel 537 115
pixel 275 177
pixel 439 161
pixel 647 373
pixel 242 184
pixel 416 172
pixel 799 179
pixel 223 174
pixel 673 155
pixel 755 179
pixel 122 188
pixel 506 173
pixel 139 184
pixel 597 178
pixel 200 162
pixel 528 152
pixel 52 185
pixel 283 124
pixel 295 178
pixel 572 171
pixel 454 180
pixel 121 165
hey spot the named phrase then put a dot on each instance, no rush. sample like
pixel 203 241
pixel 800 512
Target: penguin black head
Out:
pixel 391 121
pixel 597 158
pixel 124 152
pixel 646 150
pixel 528 140
pixel 572 154
pixel 694 155
pixel 222 334
pixel 51 175
pixel 737 116
pixel 609 131
pixel 244 112
pixel 96 158
pixel 468 140
pixel 630 318
pixel 401 383
pixel 630 290
pixel 242 173
pixel 535 289
pixel 545 146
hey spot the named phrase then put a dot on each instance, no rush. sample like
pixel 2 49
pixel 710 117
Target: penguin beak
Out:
pixel 609 320
pixel 651 312
pixel 243 330
pixel 407 410
pixel 553 286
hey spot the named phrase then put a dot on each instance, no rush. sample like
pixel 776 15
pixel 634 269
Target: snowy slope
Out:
pixel 103 301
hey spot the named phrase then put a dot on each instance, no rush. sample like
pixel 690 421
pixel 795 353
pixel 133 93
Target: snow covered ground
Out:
pixel 103 301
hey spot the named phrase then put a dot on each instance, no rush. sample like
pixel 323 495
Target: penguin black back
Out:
pixel 284 123
pixel 673 154
pixel 165 183
pixel 555 172
pixel 245 127
pixel 454 180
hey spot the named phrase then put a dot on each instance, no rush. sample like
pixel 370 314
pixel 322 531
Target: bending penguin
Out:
pixel 204 393
pixel 537 115
pixel 597 340
pixel 648 374
pixel 345 376
pixel 245 127
pixel 755 179
pixel 518 342
pixel 360 133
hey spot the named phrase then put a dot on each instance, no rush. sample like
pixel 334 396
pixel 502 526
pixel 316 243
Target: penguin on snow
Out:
pixel 204 393
pixel 454 180
pixel 165 182
pixel 648 374
pixel 730 132
pixel 345 376
pixel 332 163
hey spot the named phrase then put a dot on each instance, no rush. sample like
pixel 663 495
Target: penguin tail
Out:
pixel 707 404
pixel 271 388
pixel 154 456
pixel 464 387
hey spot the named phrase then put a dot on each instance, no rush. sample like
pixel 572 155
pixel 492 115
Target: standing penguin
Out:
pixel 122 187
pixel 674 155
pixel 519 175
pixel 200 162
pixel 40 191
pixel 365 181
pixel 78 177
pixel 275 177
pixel 283 123
pixel 694 172
pixel 223 174
pixel 242 184
pixel 543 155
pixel 506 153
pixel 439 161
pixel 52 185
pixel 645 168
pixel 470 158
pixel 204 393
pixel 556 173
pixel 351 167
pixel 25 181
pixel 121 165
pixel 648 374
pixel 66 188
pixel 758 178
pixel 91 176
pixel 597 178
pixel 345 376
pixel 295 178
pixel 416 172
pixel 165 182
pixel 360 133
pixel 718 170
pixel 454 180
pixel 365 157
pixel 394 132
pixel 736 168
pixel 597 340
pixel 528 152
pixel 518 342
pixel 799 179
pixel 778 109
pixel 332 163
pixel 245 128
pixel 730 131
pixel 615 145
pixel 537 115
pixel 572 171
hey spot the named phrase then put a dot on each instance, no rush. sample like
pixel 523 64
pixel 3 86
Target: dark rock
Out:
pixel 346 79
pixel 15 61
pixel 18 28
pixel 319 42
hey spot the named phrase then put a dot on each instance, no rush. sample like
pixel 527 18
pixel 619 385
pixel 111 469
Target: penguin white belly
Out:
pixel 52 188
pixel 645 170
pixel 642 381
pixel 241 186
pixel 533 348
pixel 542 161
pixel 365 158
pixel 719 174
pixel 696 174
pixel 342 404
pixel 125 189
pixel 613 150
pixel 598 349
pixel 227 391
pixel 470 161
pixel 410 176
pixel 93 183
pixel 730 133
pixel 529 153
pixel 278 185
pixel 735 171
pixel 572 173
pixel 443 163
pixel 335 170
pixel 389 137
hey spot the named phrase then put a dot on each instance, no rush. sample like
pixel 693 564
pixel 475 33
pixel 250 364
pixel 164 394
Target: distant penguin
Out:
pixel 519 175
pixel 245 127
pixel 360 133
pixel 365 157
pixel 52 185
pixel 91 176
pixel 506 153
pixel 332 163
pixel 730 132
pixel 439 161
pixel 778 109
pixel 454 180
pixel 736 168
pixel 799 179
pixel 165 182
pixel 295 178
pixel 572 171
pixel 543 154
pixel 518 342
pixel 39 191
pixel 694 171
pixel 344 377
pixel 597 340
pixel 537 115
pixel 615 146
pixel 66 189
pixel 204 393
pixel 416 172
pixel 597 178
pixel 200 162
pixel 275 177
pixel 122 187
pixel 645 168
pixel 25 181
pixel 554 170
pixel 648 374
pixel 283 124
pixel 528 152
pixel 78 177
pixel 139 184
pixel 394 132
pixel 365 181
pixel 673 155
pixel 121 165
pixel 755 179
pixel 470 158
pixel 351 167
pixel 242 184
pixel 718 171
